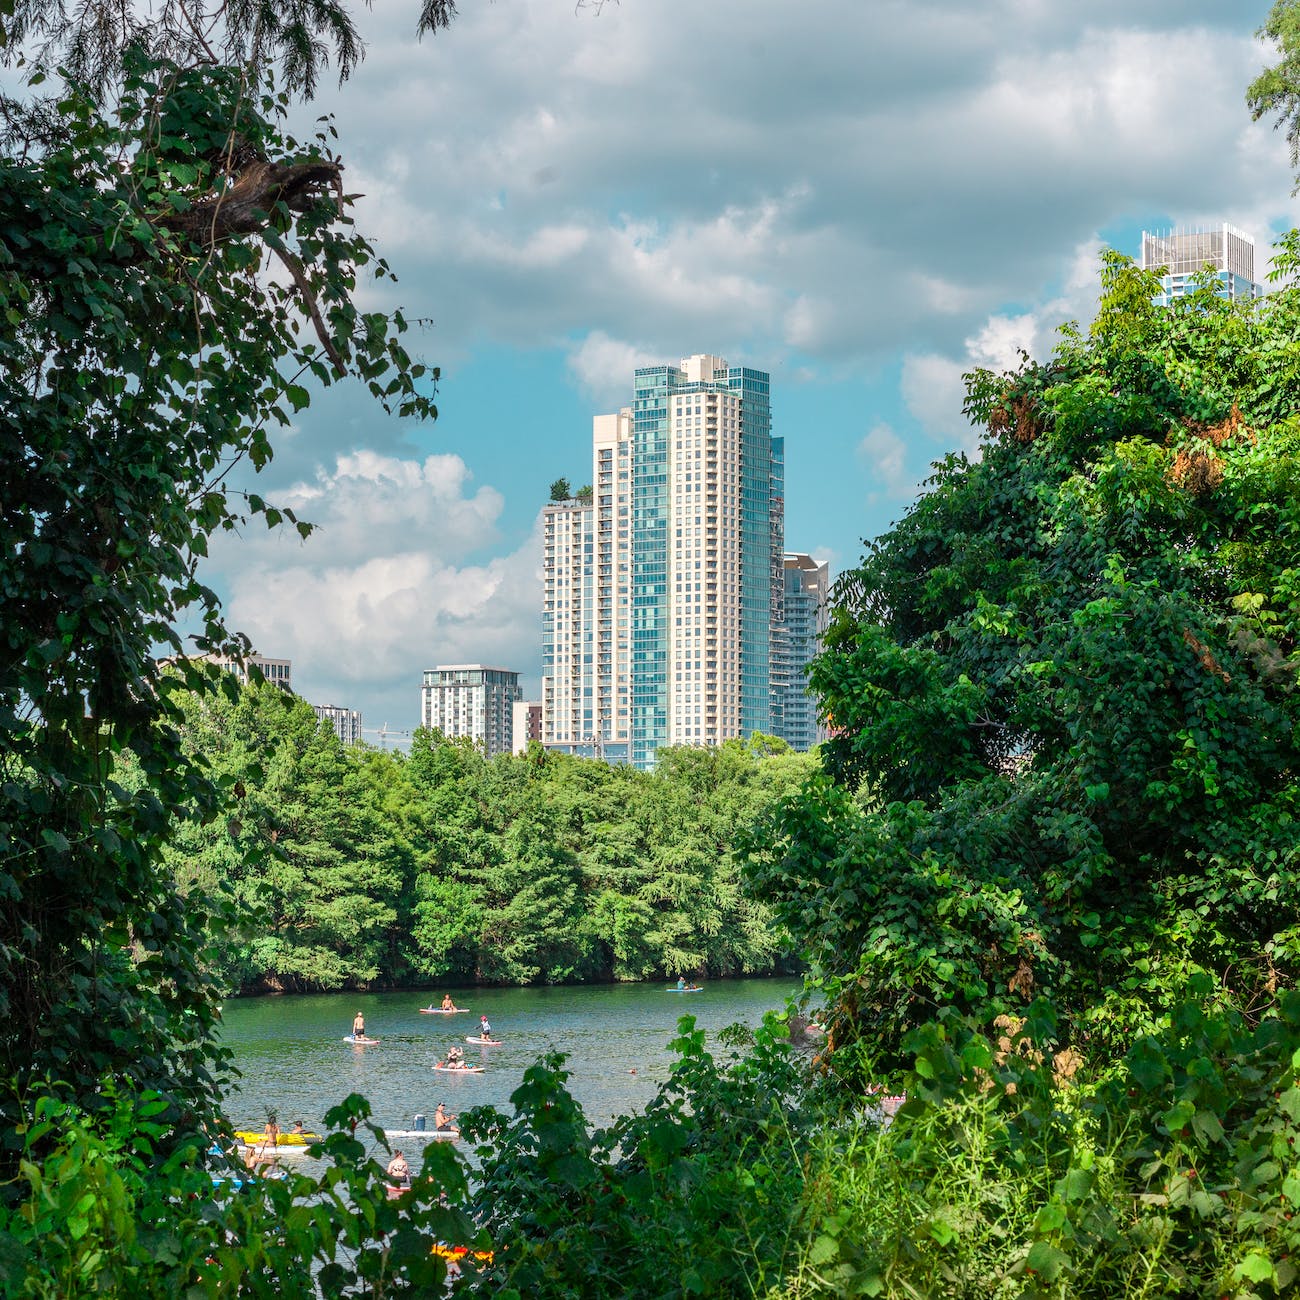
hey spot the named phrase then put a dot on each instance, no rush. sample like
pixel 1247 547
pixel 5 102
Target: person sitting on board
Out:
pixel 681 984
pixel 447 1003
pixel 484 1029
pixel 298 1130
pixel 359 1026
pixel 455 1056
pixel 398 1170
pixel 442 1122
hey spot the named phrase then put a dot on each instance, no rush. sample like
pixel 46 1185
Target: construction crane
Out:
pixel 385 732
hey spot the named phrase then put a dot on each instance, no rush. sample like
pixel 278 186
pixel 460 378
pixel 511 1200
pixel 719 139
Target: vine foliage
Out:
pixel 1064 690
pixel 175 274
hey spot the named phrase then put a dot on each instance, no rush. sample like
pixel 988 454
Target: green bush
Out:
pixel 1173 1173
pixel 697 1196
pixel 96 1212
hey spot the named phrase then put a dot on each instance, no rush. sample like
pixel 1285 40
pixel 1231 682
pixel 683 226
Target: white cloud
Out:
pixel 370 502
pixel 385 587
pixel 999 342
pixel 933 390
pixel 886 456
pixel 886 171
pixel 603 366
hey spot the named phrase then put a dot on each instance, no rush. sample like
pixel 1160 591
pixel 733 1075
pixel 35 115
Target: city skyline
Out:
pixel 864 205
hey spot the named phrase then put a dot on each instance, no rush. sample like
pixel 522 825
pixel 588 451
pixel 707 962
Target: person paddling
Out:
pixel 484 1029
pixel 442 1121
pixel 265 1151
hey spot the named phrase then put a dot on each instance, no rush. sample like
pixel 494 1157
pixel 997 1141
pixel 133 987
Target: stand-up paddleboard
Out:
pixel 693 988
pixel 485 1042
pixel 460 1069
pixel 359 1042
pixel 430 1134
pixel 444 1011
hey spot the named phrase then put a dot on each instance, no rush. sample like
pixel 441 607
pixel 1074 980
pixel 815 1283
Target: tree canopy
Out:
pixel 1064 693
pixel 299 37
pixel 1275 92
pixel 355 867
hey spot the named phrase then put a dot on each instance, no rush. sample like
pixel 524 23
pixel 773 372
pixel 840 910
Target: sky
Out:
pixel 865 198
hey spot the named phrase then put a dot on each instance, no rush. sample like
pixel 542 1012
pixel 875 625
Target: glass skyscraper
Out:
pixel 689 482
pixel 805 617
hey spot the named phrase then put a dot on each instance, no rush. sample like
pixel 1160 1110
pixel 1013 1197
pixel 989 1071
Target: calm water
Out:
pixel 294 1061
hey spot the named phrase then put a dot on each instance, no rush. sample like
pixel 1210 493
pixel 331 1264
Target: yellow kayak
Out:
pixel 284 1140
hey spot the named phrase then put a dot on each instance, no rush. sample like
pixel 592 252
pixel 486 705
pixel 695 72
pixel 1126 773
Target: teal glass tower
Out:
pixel 707 546
pixel 663 589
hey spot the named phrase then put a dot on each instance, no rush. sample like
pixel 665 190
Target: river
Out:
pixel 294 1061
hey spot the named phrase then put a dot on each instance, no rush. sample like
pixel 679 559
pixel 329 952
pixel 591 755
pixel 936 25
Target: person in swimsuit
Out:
pixel 447 1003
pixel 398 1170
pixel 265 1152
pixel 442 1122
pixel 359 1026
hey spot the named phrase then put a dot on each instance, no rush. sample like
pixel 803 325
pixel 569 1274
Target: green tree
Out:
pixel 560 490
pixel 298 36
pixel 1275 92
pixel 1064 694
pixel 142 354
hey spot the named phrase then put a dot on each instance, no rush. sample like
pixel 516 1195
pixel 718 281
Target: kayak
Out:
pixel 694 988
pixel 460 1069
pixel 360 1042
pixel 284 1140
pixel 454 1254
pixel 443 1011
pixel 485 1042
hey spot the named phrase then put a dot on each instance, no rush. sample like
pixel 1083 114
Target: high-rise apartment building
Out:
pixel 1228 252
pixel 806 611
pixel 471 700
pixel 346 723
pixel 525 724
pixel 662 592
pixel 278 672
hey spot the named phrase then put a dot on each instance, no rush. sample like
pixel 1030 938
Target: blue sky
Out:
pixel 863 197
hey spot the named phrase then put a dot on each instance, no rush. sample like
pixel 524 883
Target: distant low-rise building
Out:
pixel 471 700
